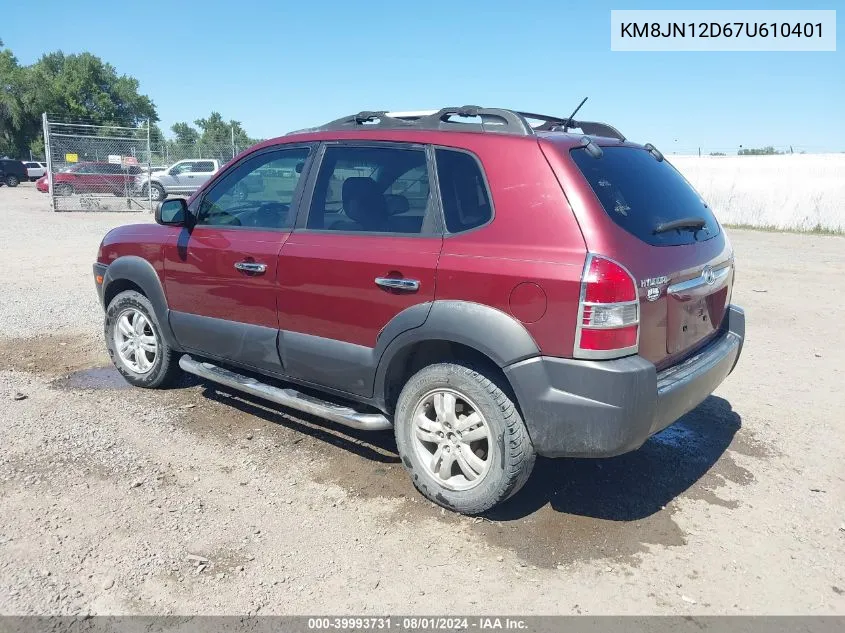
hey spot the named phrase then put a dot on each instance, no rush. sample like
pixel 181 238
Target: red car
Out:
pixel 91 178
pixel 489 284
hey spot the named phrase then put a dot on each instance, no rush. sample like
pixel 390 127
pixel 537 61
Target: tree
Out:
pixel 219 136
pixel 214 139
pixel 758 151
pixel 84 87
pixel 79 86
pixel 13 113
pixel 185 134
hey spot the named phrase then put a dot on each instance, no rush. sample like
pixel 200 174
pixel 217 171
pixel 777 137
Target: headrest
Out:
pixel 396 204
pixel 364 202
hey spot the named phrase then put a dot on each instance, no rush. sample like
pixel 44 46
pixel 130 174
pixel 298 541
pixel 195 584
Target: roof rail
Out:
pixel 496 120
pixel 488 120
pixel 591 128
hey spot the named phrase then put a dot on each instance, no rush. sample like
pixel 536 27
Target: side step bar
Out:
pixel 286 397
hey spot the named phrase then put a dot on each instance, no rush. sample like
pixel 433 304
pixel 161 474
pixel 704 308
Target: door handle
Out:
pixel 251 267
pixel 393 283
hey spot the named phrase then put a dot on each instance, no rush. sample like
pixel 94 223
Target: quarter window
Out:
pixel 371 189
pixel 258 192
pixel 466 203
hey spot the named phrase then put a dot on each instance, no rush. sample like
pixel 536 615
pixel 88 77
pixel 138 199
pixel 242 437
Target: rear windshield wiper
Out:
pixel 682 223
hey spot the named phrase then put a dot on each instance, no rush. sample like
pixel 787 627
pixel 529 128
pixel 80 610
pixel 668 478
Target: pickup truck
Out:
pixel 180 179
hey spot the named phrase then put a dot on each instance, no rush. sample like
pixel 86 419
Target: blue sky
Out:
pixel 278 66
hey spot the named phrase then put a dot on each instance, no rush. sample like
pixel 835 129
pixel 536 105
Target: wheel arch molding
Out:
pixel 130 272
pixel 487 330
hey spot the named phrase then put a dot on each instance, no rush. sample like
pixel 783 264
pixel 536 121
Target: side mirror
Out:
pixel 172 212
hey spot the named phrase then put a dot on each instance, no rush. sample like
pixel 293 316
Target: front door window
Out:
pixel 258 193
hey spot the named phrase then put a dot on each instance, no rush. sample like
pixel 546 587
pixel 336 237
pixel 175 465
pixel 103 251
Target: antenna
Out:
pixel 568 121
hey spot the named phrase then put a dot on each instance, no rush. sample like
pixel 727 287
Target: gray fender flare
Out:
pixel 140 272
pixel 488 330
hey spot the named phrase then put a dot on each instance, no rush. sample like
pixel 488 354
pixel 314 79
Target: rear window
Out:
pixel 640 194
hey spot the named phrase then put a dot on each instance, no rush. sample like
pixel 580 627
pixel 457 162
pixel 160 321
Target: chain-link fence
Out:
pixel 110 168
pixel 96 167
pixel 166 152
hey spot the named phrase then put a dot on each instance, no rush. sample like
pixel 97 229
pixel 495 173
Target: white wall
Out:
pixel 789 191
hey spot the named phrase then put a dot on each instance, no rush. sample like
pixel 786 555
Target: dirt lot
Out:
pixel 105 491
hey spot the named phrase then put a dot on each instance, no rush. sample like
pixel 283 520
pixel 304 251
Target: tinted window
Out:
pixel 466 203
pixel 12 167
pixel 373 189
pixel 203 166
pixel 639 193
pixel 257 193
pixel 32 165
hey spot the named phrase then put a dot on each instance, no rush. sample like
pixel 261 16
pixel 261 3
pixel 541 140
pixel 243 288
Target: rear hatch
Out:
pixel 664 233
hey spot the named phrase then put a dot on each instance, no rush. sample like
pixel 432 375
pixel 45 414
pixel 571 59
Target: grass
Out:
pixel 770 228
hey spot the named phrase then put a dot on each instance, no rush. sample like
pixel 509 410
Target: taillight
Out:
pixel 609 311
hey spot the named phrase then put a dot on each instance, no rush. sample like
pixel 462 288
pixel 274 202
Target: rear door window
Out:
pixel 640 194
pixel 203 167
pixel 372 189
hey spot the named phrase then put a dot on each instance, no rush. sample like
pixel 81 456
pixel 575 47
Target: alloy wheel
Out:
pixel 135 341
pixel 452 439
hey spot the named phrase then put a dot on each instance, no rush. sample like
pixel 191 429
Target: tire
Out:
pixel 159 368
pixel 156 191
pixel 506 451
pixel 64 189
pixel 12 180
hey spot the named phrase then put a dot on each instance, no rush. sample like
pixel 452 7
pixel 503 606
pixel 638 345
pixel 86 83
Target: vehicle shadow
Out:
pixel 624 488
pixel 635 485
pixel 377 446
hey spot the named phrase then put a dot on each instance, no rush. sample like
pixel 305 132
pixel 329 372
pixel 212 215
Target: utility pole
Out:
pixel 233 141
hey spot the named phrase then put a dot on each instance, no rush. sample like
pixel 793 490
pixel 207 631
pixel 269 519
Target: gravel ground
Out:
pixel 118 500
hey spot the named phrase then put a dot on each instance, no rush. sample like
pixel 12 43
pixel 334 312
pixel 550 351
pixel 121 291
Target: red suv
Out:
pixel 488 283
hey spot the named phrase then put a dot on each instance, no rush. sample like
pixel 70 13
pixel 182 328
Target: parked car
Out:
pixel 182 178
pixel 34 170
pixel 489 284
pixel 12 172
pixel 91 178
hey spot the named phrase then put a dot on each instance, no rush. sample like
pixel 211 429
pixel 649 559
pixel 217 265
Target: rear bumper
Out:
pixel 579 408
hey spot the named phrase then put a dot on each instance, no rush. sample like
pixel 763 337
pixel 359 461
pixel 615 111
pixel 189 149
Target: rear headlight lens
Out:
pixel 608 282
pixel 609 311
